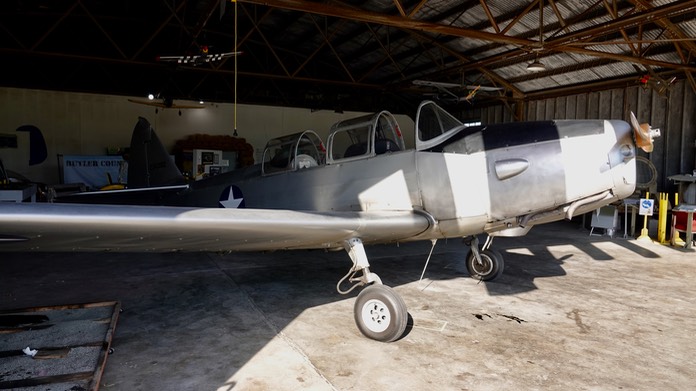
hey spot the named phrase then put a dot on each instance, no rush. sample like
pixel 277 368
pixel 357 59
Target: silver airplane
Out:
pixel 361 187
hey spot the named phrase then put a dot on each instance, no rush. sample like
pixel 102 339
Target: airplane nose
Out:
pixel 644 134
pixel 622 159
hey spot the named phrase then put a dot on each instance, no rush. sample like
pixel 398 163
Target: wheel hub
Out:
pixel 376 316
pixel 484 267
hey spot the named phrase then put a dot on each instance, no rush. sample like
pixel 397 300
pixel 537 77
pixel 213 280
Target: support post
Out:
pixel 662 218
pixel 644 231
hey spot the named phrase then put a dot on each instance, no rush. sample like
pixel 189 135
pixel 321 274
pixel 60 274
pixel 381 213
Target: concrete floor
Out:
pixel 570 312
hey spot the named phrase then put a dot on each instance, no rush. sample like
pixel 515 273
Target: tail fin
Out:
pixel 149 164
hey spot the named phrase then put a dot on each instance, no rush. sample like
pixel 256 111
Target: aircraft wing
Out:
pixel 161 104
pixel 198 58
pixel 83 227
pixel 180 59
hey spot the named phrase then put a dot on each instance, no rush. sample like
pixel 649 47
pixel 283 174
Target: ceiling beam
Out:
pixel 388 20
pixel 563 42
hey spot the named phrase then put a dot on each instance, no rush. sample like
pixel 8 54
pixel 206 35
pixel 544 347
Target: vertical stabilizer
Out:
pixel 149 163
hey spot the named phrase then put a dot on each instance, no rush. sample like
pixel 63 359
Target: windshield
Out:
pixel 432 123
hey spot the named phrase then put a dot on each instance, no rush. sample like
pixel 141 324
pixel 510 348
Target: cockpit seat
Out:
pixel 355 150
pixel 385 145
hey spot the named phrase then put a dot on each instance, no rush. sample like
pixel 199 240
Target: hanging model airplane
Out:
pixel 198 59
pixel 165 103
pixel 657 83
pixel 363 188
pixel 445 90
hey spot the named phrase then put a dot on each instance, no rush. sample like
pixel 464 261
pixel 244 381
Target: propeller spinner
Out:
pixel 644 134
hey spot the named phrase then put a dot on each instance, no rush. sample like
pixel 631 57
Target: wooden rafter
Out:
pixel 560 44
pixel 397 4
pixel 560 18
pixel 388 20
pixel 268 44
pixel 519 16
pixel 106 34
pixel 55 25
pixel 612 9
pixel 157 31
pixel 376 49
pixel 387 55
pixel 417 8
pixel 490 16
pixel 316 50
pixel 328 43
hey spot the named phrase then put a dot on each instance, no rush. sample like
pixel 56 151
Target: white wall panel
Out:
pixel 86 124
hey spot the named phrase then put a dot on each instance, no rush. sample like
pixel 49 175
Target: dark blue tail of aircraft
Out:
pixel 149 164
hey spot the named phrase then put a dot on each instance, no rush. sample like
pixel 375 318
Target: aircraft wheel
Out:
pixel 490 267
pixel 380 313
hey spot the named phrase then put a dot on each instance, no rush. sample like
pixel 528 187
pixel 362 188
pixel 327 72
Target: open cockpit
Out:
pixel 363 137
pixel 293 152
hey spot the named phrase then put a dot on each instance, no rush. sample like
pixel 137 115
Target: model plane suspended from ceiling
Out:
pixel 165 103
pixel 445 90
pixel 198 59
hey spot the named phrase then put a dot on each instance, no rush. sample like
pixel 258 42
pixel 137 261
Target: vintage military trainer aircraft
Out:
pixel 198 59
pixel 361 187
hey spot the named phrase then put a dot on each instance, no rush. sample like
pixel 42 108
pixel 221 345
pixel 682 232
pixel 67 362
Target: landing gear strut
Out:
pixel 379 312
pixel 486 264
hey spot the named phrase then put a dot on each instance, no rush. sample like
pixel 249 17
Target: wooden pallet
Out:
pixel 72 344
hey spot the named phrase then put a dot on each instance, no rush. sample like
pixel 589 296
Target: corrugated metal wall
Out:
pixel 674 113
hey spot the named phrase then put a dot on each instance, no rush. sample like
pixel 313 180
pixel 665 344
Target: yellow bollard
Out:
pixel 644 231
pixel 662 218
pixel 676 240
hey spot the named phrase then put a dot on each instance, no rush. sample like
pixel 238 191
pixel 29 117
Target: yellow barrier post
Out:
pixel 676 240
pixel 662 218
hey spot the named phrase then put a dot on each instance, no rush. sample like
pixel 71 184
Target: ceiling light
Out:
pixel 536 66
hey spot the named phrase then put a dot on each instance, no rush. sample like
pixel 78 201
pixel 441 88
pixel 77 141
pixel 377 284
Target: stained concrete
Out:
pixel 570 312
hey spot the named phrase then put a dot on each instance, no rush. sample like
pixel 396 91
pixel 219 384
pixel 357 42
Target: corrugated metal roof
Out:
pixel 367 50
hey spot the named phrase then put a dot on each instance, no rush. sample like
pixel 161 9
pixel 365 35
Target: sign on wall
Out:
pixel 94 170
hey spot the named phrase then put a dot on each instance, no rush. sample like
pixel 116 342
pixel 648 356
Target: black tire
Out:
pixel 380 313
pixel 491 265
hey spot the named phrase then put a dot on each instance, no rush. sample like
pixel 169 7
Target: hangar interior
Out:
pixel 599 60
pixel 78 73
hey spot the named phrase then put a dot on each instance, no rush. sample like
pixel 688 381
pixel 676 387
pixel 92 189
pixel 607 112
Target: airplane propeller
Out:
pixel 644 133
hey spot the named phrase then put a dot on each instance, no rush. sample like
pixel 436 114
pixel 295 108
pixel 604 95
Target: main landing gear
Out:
pixel 486 264
pixel 379 312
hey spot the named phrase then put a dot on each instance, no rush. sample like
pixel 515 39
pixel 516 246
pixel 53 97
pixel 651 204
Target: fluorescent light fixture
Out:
pixel 536 66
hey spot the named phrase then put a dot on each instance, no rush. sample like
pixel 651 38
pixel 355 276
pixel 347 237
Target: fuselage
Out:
pixel 362 185
pixel 498 179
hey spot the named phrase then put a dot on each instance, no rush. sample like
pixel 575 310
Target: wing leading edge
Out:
pixel 80 227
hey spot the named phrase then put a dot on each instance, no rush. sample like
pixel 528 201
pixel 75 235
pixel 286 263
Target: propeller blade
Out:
pixel 644 134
